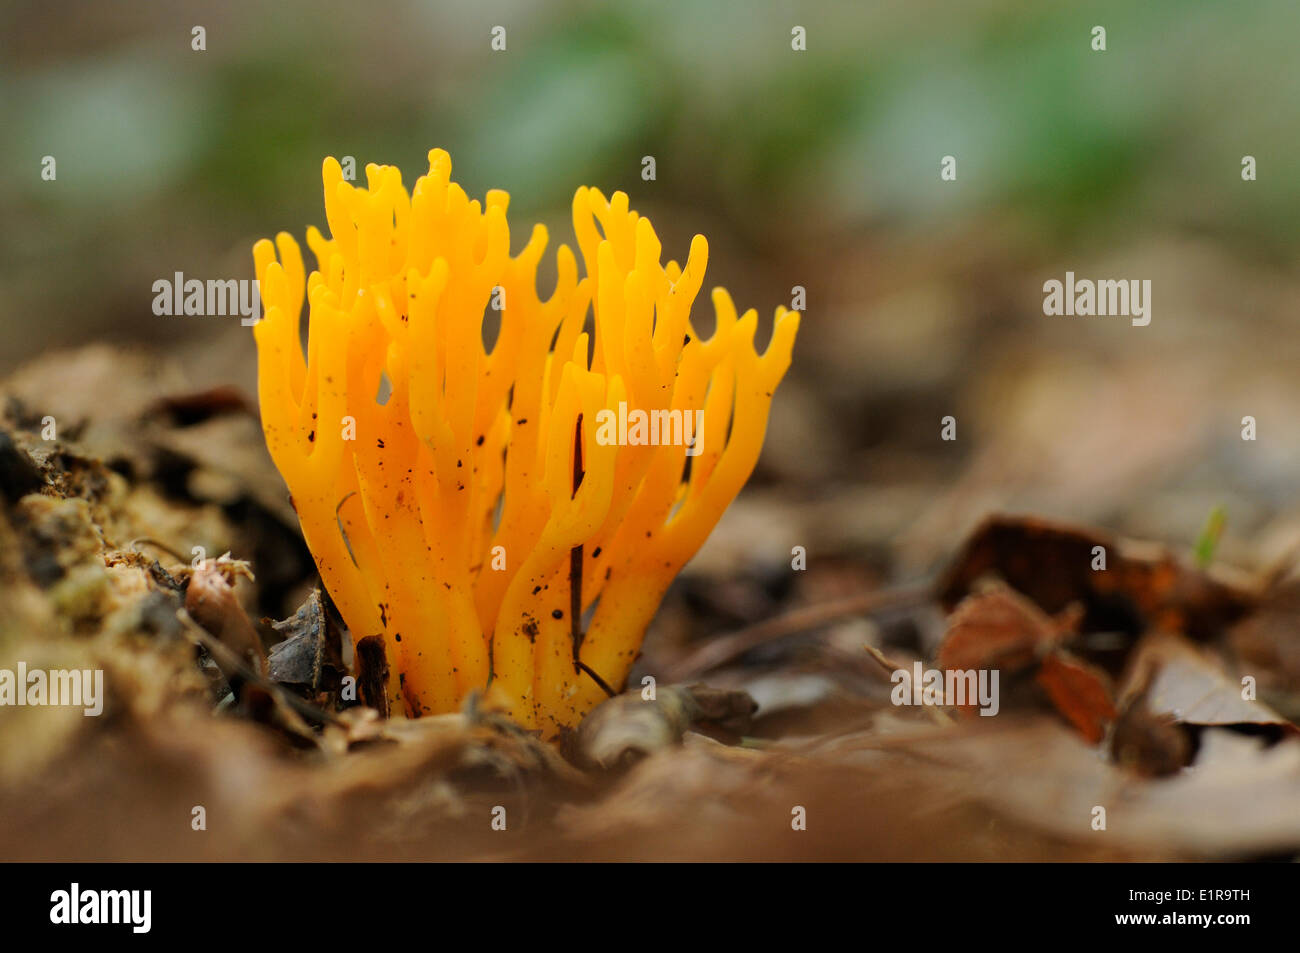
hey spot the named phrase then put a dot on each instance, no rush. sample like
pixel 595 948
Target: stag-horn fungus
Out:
pixel 452 493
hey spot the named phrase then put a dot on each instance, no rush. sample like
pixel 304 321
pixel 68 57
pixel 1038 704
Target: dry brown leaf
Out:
pixel 996 629
pixel 1142 587
pixel 309 659
pixel 210 600
pixel 1081 692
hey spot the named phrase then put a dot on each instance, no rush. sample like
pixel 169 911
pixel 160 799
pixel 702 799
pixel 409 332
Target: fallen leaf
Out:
pixel 1190 686
pixel 997 628
pixel 309 657
pixel 210 599
pixel 1142 587
pixel 1081 692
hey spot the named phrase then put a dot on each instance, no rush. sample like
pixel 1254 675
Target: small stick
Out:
pixel 135 544
pixel 604 686
pixel 719 651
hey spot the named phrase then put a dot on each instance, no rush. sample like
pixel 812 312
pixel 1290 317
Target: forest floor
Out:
pixel 1144 710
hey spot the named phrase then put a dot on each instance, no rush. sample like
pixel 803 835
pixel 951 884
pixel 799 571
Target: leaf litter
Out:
pixel 1159 689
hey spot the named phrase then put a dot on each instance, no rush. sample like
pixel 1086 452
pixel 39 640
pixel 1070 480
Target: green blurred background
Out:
pixel 816 168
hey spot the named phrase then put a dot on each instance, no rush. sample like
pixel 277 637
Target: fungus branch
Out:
pixel 453 517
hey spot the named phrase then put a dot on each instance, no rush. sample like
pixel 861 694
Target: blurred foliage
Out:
pixel 170 159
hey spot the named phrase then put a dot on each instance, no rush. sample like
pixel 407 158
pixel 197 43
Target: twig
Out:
pixel 135 544
pixel 604 686
pixel 888 667
pixel 719 651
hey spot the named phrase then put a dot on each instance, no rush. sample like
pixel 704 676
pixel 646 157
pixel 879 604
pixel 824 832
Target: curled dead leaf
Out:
pixel 1081 692
pixel 1143 586
pixel 997 628
pixel 210 600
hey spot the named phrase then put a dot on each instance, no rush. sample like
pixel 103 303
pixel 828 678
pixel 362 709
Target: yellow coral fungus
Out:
pixel 452 493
